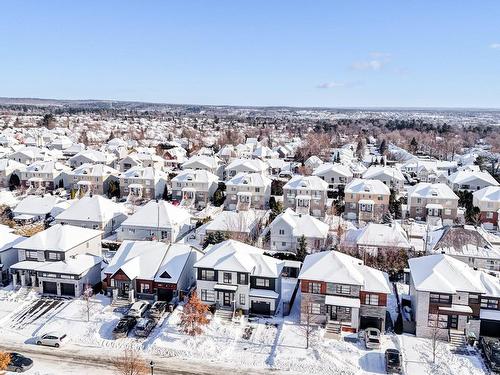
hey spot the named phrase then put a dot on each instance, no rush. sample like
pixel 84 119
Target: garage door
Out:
pixel 370 322
pixel 261 308
pixel 67 289
pixel 490 328
pixel 49 287
pixel 165 294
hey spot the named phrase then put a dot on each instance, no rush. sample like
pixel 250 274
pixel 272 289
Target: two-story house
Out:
pixel 488 202
pixel 245 166
pixel 91 178
pixel 366 200
pixel 334 174
pixel 205 163
pixel 341 292
pixel 194 188
pixel 447 297
pixel 8 252
pixel 43 176
pixel 236 276
pixel 289 227
pixel 91 157
pixel 390 176
pixel 306 195
pixel 143 183
pixel 248 190
pixel 432 203
pixel 60 260
pixel 471 180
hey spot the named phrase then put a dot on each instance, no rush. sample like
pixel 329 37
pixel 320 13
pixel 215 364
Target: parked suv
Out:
pixel 393 361
pixel 19 363
pixel 158 309
pixel 138 309
pixel 491 350
pixel 54 339
pixel 372 338
pixel 144 327
pixel 124 326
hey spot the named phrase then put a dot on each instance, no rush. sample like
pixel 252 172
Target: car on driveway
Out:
pixel 491 351
pixel 158 310
pixel 138 309
pixel 19 363
pixel 55 339
pixel 124 326
pixel 393 361
pixel 144 327
pixel 372 338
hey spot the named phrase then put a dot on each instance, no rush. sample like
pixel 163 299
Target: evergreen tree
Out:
pixel 413 145
pixel 214 238
pixel 383 147
pixel 164 196
pixel 301 248
pixel 114 189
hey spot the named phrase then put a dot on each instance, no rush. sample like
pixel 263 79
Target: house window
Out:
pixel 489 303
pixel 54 256
pixel 31 254
pixel 145 288
pixel 489 215
pixel 340 313
pixel 207 295
pixel 257 190
pixel 208 275
pixel 314 288
pixel 242 279
pixel 440 298
pixel 371 299
pixel 242 299
pixel 436 320
pixel 315 309
pixel 227 277
pixel 343 289
pixel 282 232
pixel 473 299
pixel 262 282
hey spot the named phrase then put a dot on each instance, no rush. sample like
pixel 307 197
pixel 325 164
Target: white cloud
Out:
pixel 330 85
pixel 369 65
pixel 495 45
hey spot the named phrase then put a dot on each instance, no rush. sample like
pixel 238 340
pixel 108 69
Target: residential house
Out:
pixel 194 188
pixel 248 190
pixel 245 166
pixel 43 176
pixel 91 157
pixel 156 220
pixel 390 176
pixel 143 183
pixel 8 253
pixel 289 227
pixel 60 260
pixel 335 174
pixel 94 212
pixel 141 159
pixel 29 155
pixel 151 270
pixel 35 207
pixel 91 179
pixel 432 203
pixel 203 162
pixel 366 200
pixel 306 195
pixel 471 180
pixel 488 202
pixel 235 276
pixel 240 225
pixel 9 167
pixel 341 292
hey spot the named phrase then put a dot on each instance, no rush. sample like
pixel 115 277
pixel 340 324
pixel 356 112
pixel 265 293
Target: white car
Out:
pixel 372 338
pixel 138 309
pixel 54 339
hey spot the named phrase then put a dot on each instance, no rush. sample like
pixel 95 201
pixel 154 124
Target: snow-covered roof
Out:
pixel 210 162
pixel 9 240
pixel 172 265
pixel 157 214
pixel 58 238
pixel 339 268
pixel 302 225
pixel 380 172
pixel 237 256
pixel 198 175
pixel 442 273
pixel 11 164
pixel 336 168
pixel 253 165
pixel 428 190
pixel 359 185
pixel 148 173
pixel 382 235
pixel 94 155
pixel 232 221
pixel 48 166
pixel 306 182
pixel 464 177
pixel 94 170
pixel 94 209
pixel 36 205
pixel 488 194
pixel 249 179
pixel 72 265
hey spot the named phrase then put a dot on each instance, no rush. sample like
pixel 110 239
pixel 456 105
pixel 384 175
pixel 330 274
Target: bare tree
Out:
pixel 436 336
pixel 130 363
pixel 87 294
pixel 306 318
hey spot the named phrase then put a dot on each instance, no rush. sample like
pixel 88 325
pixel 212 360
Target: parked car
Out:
pixel 54 339
pixel 19 363
pixel 144 327
pixel 491 350
pixel 158 309
pixel 393 361
pixel 124 326
pixel 372 338
pixel 138 309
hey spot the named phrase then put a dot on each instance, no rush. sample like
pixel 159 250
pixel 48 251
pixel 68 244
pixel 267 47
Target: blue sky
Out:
pixel 300 53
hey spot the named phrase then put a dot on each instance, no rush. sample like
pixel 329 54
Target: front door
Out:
pixel 227 299
pixel 454 321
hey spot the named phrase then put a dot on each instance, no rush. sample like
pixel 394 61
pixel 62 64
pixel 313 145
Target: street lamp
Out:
pixel 152 367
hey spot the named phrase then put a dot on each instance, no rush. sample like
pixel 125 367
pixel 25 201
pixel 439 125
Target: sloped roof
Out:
pixel 489 194
pixel 249 179
pixel 391 235
pixel 157 214
pixel 467 176
pixel 149 173
pixel 36 205
pixel 94 209
pixel 236 256
pixel 173 263
pixel 208 161
pixel 199 175
pixel 232 221
pixel 254 165
pixel 58 238
pixel 72 265
pixel 303 225
pixel 359 185
pixel 306 182
pixel 428 190
pixel 444 274
pixel 337 168
pixel 95 170
pixel 379 171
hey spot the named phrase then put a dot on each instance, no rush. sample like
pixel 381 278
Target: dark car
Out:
pixel 124 326
pixel 144 327
pixel 158 309
pixel 491 350
pixel 19 363
pixel 393 361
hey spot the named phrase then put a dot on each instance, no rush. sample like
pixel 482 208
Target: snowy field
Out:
pixel 277 343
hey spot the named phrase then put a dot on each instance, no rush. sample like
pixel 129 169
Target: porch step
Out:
pixel 457 339
pixel 225 315
pixel 332 331
pixel 120 302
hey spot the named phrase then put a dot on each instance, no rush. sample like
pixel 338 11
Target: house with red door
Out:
pixel 151 270
pixel 343 294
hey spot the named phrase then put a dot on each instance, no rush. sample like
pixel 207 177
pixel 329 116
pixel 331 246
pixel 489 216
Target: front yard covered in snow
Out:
pixel 277 343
